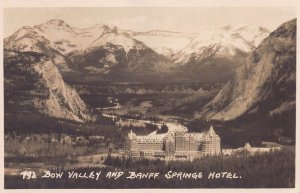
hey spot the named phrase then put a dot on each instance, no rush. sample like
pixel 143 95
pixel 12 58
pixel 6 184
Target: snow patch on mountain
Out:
pixel 223 42
pixel 123 40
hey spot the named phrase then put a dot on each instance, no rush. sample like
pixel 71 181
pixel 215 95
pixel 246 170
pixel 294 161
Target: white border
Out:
pixel 148 3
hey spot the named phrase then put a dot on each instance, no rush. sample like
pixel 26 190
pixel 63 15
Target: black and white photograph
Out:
pixel 149 97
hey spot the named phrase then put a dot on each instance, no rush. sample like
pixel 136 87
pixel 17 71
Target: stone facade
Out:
pixel 175 145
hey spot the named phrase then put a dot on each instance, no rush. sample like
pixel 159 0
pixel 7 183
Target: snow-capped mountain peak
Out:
pixel 231 39
pixel 104 45
pixel 120 39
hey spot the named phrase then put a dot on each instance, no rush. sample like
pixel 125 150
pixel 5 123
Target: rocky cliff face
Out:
pixel 265 86
pixel 34 84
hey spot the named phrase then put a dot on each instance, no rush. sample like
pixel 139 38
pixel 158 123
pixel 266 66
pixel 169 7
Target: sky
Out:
pixel 180 19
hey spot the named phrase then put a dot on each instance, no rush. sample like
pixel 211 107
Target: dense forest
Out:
pixel 272 170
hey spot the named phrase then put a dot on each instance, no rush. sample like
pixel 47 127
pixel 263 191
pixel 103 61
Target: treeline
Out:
pixel 187 106
pixel 236 133
pixel 163 129
pixel 51 147
pixel 137 115
pixel 142 130
pixel 270 170
pixel 27 123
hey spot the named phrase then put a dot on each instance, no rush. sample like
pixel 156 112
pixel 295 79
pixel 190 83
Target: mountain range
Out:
pixel 259 66
pixel 108 52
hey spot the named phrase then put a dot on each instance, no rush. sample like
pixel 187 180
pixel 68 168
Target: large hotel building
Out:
pixel 179 144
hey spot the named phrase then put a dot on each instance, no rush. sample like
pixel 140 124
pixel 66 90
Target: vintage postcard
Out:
pixel 149 97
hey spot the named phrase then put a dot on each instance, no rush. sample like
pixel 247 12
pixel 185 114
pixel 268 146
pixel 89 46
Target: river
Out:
pixel 172 125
